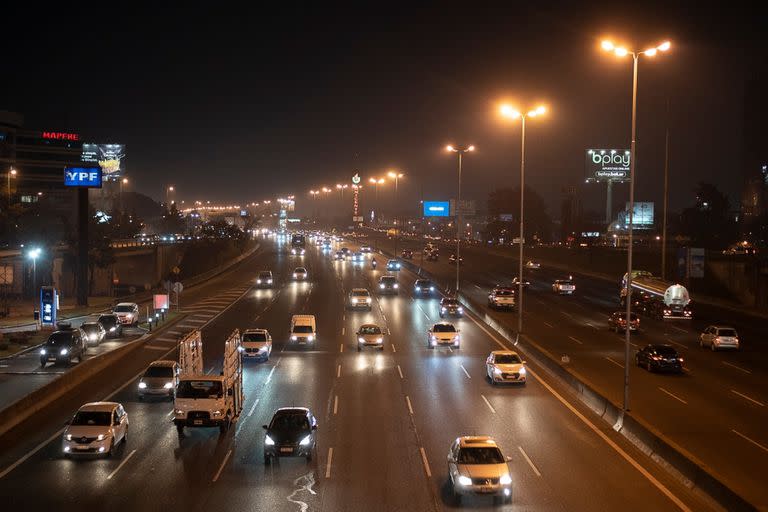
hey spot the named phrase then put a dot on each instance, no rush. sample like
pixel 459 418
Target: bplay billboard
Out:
pixel 607 164
pixel 437 209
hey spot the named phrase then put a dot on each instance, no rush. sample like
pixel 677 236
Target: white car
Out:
pixel 360 298
pixel 476 467
pixel 256 343
pixel 96 429
pixel 443 334
pixel 300 274
pixel 265 279
pixel 532 264
pixel 505 366
pixel 127 313
pixel 719 336
pixel 564 287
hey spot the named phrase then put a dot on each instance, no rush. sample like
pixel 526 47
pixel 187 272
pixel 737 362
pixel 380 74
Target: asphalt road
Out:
pixel 715 411
pixel 386 420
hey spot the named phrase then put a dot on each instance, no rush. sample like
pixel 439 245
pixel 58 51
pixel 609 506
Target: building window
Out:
pixel 29 199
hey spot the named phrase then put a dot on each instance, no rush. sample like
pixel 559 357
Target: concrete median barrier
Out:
pixel 677 461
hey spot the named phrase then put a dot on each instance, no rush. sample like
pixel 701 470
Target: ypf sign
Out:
pixel 607 164
pixel 87 177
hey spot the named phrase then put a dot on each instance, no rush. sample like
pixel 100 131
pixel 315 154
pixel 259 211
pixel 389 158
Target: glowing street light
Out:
pixel 619 51
pixel 11 174
pixel 459 151
pixel 33 254
pixel 512 113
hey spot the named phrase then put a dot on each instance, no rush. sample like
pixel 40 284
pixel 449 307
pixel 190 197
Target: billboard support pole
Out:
pixel 609 202
pixel 82 247
pixel 666 192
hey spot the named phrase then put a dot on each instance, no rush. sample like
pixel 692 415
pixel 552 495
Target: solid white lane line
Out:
pixel 576 340
pixel 338 371
pixel 269 377
pixel 742 395
pixel 408 401
pixel 549 325
pixel 592 326
pixel 253 408
pixel 33 451
pixel 748 439
pixel 424 312
pixel 328 466
pixel 121 465
pixel 737 367
pixel 335 404
pixel 400 371
pixel 488 404
pixel 673 395
pixel 678 329
pixel 465 371
pixel 530 462
pixel 148 347
pixel 614 362
pixel 478 288
pixel 343 330
pixel 393 348
pixel 341 348
pixel 224 463
pixel 567 314
pixel 661 487
pixel 676 343
pixel 450 350
pixel 425 461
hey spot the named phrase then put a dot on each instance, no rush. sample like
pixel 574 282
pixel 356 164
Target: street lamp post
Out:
pixel 510 112
pixel 11 173
pixel 33 255
pixel 622 52
pixel 396 176
pixel 123 181
pixel 459 151
pixel 168 195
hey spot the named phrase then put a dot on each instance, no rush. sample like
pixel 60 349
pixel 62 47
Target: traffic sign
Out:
pixel 357 218
pixel 516 240
pixel 178 287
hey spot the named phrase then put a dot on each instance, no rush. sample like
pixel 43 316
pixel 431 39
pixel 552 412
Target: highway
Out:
pixel 715 411
pixel 386 419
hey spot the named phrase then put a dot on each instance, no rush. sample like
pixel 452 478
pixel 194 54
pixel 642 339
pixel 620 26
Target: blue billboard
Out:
pixel 82 177
pixel 437 209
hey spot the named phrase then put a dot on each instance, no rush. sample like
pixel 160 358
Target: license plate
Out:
pixel 286 450
pixel 81 447
pixel 486 489
pixel 197 422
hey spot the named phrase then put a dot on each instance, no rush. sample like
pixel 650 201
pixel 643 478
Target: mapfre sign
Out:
pixel 61 136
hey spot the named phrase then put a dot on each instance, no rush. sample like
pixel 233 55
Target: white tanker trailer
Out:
pixel 656 297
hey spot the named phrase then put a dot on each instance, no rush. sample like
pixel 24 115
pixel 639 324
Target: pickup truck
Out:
pixel 501 297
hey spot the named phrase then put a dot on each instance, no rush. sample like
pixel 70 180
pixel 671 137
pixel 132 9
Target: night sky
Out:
pixel 230 105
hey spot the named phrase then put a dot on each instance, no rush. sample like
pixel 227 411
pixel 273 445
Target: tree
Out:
pixel 172 221
pixel 506 201
pixel 708 222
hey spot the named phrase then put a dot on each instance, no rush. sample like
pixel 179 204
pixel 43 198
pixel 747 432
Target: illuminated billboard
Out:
pixel 437 209
pixel 642 215
pixel 607 165
pixel 110 157
pixel 88 177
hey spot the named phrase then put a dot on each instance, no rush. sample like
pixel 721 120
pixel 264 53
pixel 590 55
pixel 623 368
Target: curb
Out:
pixel 42 397
pixel 675 460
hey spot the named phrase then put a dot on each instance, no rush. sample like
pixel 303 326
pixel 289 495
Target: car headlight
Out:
pixel 269 281
pixel 497 371
pixel 93 337
pixel 381 286
pixel 461 310
pixel 395 286
pixel 178 412
pixel 379 340
pixel 443 309
pixel 269 441
pixel 129 316
pixel 368 300
pixel 258 281
pixel 306 441
pixel 418 288
pixel 361 340
pixel 43 351
pixel 64 352
pixel 293 338
pixel 505 480
pixel 168 385
pixel 240 349
pixel 295 275
pixel 431 288
pixel 310 338
pixel 465 480
pixel 216 413
pixel 522 371
pixel 112 329
pixel 68 437
pixel 142 385
pixel 100 437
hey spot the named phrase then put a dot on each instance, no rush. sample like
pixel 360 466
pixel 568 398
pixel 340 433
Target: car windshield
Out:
pixel 423 284
pixel 300 270
pixel 443 328
pixel 90 328
pixel 484 455
pixel 666 351
pixel 450 302
pixel 370 329
pixel 108 320
pixel 360 293
pixel 504 292
pixel 92 418
pixel 255 336
pixel 159 371
pixel 726 332
pixel 290 421
pixel 392 262
pixel 388 280
pixel 199 389
pixel 507 359
pixel 565 283
pixel 265 275
pixel 60 338
pixel 302 328
pixel 123 308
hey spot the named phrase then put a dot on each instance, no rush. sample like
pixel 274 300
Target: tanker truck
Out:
pixel 656 297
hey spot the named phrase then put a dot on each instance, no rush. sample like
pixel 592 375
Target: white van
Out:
pixel 303 328
pixel 256 343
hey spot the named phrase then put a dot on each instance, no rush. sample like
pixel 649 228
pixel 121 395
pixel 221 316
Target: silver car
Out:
pixel 160 379
pixel 719 336
pixel 443 334
pixel 476 467
pixel 370 335
pixel 360 298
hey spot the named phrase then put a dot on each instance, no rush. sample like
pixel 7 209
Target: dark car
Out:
pixel 407 254
pixel 618 322
pixel 659 358
pixel 450 307
pixel 393 265
pixel 424 288
pixel 452 259
pixel 94 333
pixel 264 280
pixel 63 346
pixel 112 325
pixel 388 284
pixel 291 433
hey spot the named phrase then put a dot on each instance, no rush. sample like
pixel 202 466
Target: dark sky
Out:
pixel 240 106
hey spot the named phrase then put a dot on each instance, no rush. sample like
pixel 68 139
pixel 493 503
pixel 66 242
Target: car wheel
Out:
pixel 430 346
pixel 43 362
pixel 649 367
pixel 701 343
pixel 712 346
pixel 180 430
pixel 125 437
pixel 111 452
pixel 267 459
pixel 381 348
pixel 224 426
pixel 358 348
pixel 141 397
